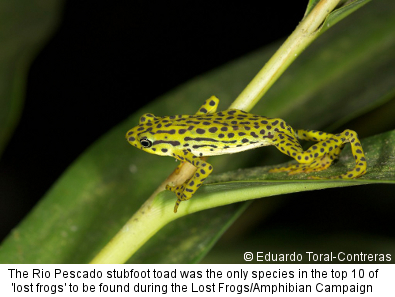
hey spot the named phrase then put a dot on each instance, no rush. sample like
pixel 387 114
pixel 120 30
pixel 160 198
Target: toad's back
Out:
pixel 218 133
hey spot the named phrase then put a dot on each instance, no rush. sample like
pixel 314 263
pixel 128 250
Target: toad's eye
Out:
pixel 145 142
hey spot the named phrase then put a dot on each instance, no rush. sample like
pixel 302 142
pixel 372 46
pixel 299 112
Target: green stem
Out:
pixel 157 211
pixel 153 216
pixel 304 34
pixel 150 218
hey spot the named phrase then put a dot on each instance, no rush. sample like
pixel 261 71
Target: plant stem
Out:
pixel 304 34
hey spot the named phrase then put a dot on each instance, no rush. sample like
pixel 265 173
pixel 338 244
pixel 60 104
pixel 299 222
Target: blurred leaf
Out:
pixel 24 27
pixel 341 12
pixel 346 70
pixel 345 242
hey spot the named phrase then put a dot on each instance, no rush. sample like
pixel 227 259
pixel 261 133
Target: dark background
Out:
pixel 94 72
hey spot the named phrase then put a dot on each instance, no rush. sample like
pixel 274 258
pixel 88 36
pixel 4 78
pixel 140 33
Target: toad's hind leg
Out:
pixel 321 155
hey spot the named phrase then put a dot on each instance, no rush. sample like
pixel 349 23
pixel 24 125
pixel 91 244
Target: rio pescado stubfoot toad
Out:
pixel 188 138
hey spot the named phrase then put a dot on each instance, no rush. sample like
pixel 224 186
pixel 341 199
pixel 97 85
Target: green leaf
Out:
pixel 25 26
pixel 346 70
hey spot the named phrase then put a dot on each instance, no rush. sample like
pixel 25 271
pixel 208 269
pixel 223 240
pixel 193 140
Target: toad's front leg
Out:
pixel 189 187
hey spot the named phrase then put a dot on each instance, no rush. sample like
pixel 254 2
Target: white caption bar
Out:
pixel 225 280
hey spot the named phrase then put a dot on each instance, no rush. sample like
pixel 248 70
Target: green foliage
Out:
pixel 345 73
